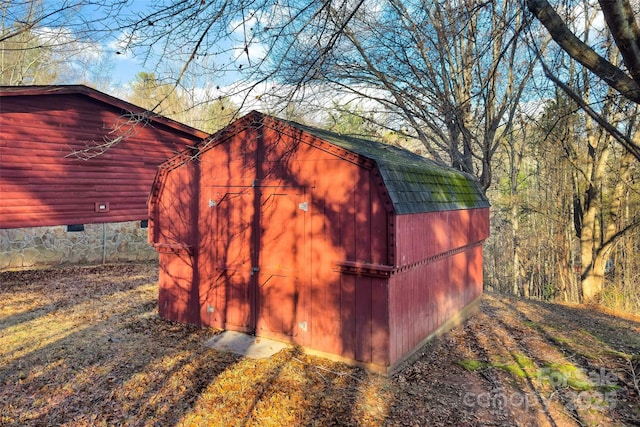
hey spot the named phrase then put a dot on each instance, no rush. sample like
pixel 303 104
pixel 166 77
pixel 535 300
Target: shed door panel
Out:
pixel 282 242
pixel 258 258
pixel 233 234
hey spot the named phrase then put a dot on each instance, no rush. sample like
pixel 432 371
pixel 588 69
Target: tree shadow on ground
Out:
pixel 520 362
pixel 99 354
pixel 91 350
pixel 86 347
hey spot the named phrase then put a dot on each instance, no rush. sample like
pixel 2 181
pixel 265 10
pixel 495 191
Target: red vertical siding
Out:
pixel 370 285
pixel 425 235
pixel 175 291
pixel 380 321
pixel 379 215
pixel 174 239
pixel 341 307
pixel 442 273
pixel 349 302
pixel 364 318
pixel 344 220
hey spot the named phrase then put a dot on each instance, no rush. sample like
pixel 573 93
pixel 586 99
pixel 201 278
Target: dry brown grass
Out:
pixel 85 346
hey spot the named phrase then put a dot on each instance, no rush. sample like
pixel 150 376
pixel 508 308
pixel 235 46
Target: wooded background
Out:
pixel 538 100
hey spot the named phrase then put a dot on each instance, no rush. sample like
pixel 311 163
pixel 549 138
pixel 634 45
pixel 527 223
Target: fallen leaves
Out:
pixel 85 346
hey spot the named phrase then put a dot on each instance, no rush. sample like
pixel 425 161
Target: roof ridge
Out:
pixel 414 183
pixel 70 89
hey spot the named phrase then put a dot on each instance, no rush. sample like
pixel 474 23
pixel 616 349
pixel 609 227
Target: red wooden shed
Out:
pixel 345 246
pixel 41 184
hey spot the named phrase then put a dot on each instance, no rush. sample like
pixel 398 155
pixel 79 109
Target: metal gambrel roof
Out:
pixel 414 183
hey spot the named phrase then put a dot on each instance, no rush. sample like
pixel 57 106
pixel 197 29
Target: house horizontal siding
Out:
pixel 42 185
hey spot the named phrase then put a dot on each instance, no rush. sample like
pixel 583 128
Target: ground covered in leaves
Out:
pixel 85 346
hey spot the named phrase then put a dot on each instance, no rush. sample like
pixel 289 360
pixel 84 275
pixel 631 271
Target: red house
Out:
pixel 56 207
pixel 348 247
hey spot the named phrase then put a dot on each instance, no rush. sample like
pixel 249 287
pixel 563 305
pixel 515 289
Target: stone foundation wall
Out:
pixel 24 248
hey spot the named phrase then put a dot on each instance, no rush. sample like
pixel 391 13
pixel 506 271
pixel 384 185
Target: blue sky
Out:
pixel 127 63
pixel 89 35
pixel 64 25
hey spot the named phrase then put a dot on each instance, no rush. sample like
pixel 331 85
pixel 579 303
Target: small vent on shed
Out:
pixel 75 227
pixel 144 223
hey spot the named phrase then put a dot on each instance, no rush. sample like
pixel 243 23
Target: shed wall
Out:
pixel 199 233
pixel 422 236
pixel 264 211
pixel 424 298
pixel 173 238
pixel 40 186
pixel 440 272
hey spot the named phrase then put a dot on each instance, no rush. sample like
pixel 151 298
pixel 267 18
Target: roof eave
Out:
pixel 36 90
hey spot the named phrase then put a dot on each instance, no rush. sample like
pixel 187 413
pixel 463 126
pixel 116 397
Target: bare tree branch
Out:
pixel 124 127
pixel 583 53
pixel 626 33
pixel 615 133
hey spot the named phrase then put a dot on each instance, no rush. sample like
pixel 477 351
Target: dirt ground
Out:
pixel 84 346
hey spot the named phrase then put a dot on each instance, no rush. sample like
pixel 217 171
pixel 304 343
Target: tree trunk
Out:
pixel 515 229
pixel 593 278
pixel 514 167
pixel 596 249
pixel 592 273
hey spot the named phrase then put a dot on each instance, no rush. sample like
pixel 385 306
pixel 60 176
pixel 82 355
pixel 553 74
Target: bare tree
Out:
pixel 612 57
pixel 623 26
pixel 621 21
pixel 45 42
pixel 447 74
pixel 219 114
pixel 149 92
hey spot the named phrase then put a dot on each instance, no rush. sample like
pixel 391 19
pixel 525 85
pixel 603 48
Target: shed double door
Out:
pixel 259 244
